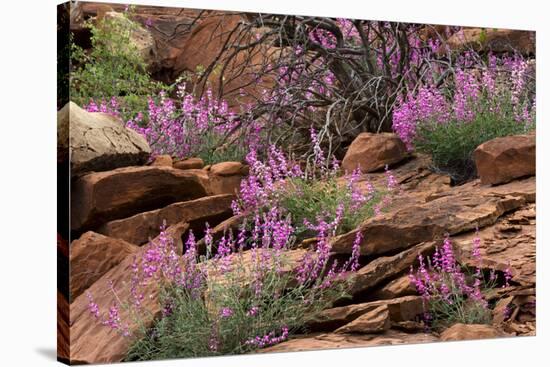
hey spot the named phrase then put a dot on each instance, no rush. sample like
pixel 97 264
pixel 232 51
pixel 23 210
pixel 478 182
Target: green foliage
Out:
pixel 452 144
pixel 309 199
pixel 113 67
pixel 213 150
pixel 196 326
pixel 482 36
pixel 457 308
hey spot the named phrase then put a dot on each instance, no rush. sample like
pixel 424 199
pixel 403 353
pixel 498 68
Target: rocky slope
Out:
pixel 117 210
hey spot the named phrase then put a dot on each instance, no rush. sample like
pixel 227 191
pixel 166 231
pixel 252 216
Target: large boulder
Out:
pixel 92 255
pixel 98 141
pixel 139 228
pixel 103 196
pixel 372 152
pixel 207 44
pixel 470 331
pixel 504 159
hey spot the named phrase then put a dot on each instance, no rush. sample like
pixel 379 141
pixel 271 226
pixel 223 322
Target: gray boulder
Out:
pixel 98 141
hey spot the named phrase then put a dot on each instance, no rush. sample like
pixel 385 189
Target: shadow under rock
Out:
pixel 49 353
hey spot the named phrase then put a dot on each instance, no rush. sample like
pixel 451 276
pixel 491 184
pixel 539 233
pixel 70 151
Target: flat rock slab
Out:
pixel 387 267
pixel 91 256
pixel 470 332
pixel 458 210
pixel 398 287
pixel 336 341
pixel 505 244
pixel 189 163
pixel 399 309
pixel 98 141
pixel 99 197
pixel 377 320
pixel 139 228
pixel 229 169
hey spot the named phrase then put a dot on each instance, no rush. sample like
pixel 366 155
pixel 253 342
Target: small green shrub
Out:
pixel 480 103
pixel 213 151
pixel 451 145
pixel 453 293
pixel 307 200
pixel 311 195
pixel 113 67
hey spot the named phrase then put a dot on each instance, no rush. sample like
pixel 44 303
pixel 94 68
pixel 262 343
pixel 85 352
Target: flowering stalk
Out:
pixel 449 293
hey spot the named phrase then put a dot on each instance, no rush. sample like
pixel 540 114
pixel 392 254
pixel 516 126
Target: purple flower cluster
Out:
pixel 476 89
pixel 113 318
pixel 312 268
pixel 226 312
pixel 428 104
pixel 268 339
pixel 181 127
pixel 110 107
pixel 180 131
pixel 258 189
pixel 442 278
pixel 447 290
pixel 254 310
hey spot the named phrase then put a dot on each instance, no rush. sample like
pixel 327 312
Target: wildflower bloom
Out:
pixel 226 312
pixel 253 311
pixel 181 130
pixel 114 318
pixel 444 286
pixel 507 276
pixel 92 306
pixel 478 89
pixel 268 339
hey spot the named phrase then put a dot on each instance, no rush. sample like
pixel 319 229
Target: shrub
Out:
pixel 479 104
pixel 450 292
pixel 187 127
pixel 233 303
pixel 312 194
pixel 308 200
pixel 191 127
pixel 113 67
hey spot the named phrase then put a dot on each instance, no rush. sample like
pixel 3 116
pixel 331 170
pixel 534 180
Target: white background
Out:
pixel 28 182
